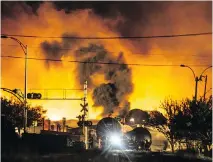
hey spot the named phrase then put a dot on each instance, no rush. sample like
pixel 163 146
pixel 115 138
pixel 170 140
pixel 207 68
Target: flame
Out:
pixel 151 84
pixel 54 117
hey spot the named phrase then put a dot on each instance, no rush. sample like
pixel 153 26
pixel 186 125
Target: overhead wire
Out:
pixel 140 54
pixel 173 60
pixel 119 37
pixel 111 37
pixel 95 62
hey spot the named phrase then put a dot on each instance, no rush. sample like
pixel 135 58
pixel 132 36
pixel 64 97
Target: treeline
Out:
pixel 12 117
pixel 185 121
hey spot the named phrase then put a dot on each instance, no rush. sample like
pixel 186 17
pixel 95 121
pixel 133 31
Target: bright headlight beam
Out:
pixel 115 139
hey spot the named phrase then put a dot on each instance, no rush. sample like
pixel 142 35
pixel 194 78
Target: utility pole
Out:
pixel 196 84
pixel 204 95
pixel 197 79
pixel 25 90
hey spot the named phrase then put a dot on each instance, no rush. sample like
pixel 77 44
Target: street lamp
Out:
pixel 15 92
pixel 197 79
pixel 24 48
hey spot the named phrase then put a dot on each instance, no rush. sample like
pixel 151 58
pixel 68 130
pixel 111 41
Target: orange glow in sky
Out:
pixel 151 83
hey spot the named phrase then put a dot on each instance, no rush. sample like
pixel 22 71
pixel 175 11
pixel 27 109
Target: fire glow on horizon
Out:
pixel 150 85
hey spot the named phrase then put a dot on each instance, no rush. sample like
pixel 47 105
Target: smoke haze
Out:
pixel 111 87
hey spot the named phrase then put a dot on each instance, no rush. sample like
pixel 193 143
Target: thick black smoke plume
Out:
pixel 55 49
pixel 52 50
pixel 111 95
pixel 124 110
pixel 105 95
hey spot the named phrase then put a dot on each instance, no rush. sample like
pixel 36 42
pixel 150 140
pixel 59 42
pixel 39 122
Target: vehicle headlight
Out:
pixel 115 139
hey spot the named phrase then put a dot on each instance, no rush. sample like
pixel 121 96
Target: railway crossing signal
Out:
pixel 82 122
pixel 84 108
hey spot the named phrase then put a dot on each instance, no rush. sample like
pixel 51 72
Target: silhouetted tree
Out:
pixel 192 121
pixel 201 118
pixel 186 119
pixel 195 121
pixel 14 111
pixel 165 123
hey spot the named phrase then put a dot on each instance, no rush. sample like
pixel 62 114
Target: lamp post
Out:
pixel 15 93
pixel 197 79
pixel 24 48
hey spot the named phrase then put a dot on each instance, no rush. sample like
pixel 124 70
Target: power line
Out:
pixel 178 61
pixel 92 62
pixel 140 54
pixel 39 47
pixel 111 37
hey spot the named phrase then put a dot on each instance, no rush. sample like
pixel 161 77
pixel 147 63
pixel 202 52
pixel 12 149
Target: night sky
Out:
pixel 135 87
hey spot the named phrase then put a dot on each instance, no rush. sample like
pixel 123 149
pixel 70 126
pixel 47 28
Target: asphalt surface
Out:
pixel 101 156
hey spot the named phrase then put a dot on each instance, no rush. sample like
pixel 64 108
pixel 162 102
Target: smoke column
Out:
pixel 111 87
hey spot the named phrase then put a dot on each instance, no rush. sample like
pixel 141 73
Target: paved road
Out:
pixel 98 156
